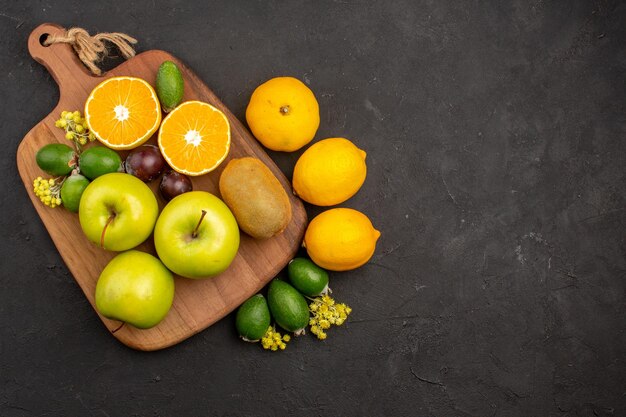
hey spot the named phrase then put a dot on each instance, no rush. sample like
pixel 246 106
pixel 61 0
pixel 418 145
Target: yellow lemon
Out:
pixel 340 239
pixel 329 172
pixel 283 114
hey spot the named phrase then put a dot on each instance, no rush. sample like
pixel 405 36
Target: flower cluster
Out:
pixel 326 312
pixel 272 340
pixel 48 191
pixel 75 127
pixel 76 130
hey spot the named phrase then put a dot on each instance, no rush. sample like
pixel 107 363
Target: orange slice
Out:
pixel 194 138
pixel 123 112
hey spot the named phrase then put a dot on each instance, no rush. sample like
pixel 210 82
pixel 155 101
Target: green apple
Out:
pixel 136 288
pixel 117 211
pixel 196 235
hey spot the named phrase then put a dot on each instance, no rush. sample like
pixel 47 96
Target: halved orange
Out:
pixel 194 138
pixel 123 112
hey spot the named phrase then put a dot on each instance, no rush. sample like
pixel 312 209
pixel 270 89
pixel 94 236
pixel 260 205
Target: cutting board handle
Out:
pixel 59 59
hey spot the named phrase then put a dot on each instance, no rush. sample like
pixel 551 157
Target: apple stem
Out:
pixel 110 219
pixel 115 330
pixel 195 231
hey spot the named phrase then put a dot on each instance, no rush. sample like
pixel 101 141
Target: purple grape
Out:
pixel 174 183
pixel 145 162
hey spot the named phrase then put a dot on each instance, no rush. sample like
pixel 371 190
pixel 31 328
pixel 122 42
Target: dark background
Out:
pixel 495 136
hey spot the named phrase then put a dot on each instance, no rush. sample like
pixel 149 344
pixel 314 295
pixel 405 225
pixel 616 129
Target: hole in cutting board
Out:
pixel 42 40
pixel 112 60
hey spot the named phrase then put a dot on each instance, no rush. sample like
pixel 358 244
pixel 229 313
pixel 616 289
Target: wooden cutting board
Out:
pixel 197 303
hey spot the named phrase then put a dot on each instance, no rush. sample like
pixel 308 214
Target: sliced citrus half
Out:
pixel 123 112
pixel 194 138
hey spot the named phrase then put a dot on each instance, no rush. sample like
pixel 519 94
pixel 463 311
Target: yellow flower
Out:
pixel 272 340
pixel 326 312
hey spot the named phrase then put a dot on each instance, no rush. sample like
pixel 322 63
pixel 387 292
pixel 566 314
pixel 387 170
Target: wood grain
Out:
pixel 197 303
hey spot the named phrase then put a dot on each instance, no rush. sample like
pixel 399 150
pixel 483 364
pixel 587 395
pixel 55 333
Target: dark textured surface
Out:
pixel 495 136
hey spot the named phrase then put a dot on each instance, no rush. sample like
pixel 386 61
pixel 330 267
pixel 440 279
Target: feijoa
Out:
pixel 253 318
pixel 99 160
pixel 170 86
pixel 56 159
pixel 288 307
pixel 71 191
pixel 307 277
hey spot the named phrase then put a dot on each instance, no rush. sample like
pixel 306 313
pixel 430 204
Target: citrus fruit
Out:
pixel 56 159
pixel 98 161
pixel 169 86
pixel 283 114
pixel 329 172
pixel 194 138
pixel 123 112
pixel 288 307
pixel 253 318
pixel 340 239
pixel 72 190
pixel 308 278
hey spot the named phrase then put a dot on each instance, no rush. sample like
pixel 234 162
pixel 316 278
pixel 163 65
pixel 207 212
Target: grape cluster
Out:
pixel 48 191
pixel 326 312
pixel 75 127
pixel 272 340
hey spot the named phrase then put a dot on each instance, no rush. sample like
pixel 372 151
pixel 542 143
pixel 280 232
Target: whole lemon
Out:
pixel 329 172
pixel 283 114
pixel 340 239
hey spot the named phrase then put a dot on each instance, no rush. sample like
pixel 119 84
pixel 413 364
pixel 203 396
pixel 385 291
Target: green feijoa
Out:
pixel 169 86
pixel 56 159
pixel 288 307
pixel 99 160
pixel 253 318
pixel 71 191
pixel 308 278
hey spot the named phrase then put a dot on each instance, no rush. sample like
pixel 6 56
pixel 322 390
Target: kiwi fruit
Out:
pixel 256 197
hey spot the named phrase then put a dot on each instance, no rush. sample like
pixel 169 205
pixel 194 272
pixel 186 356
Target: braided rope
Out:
pixel 92 49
